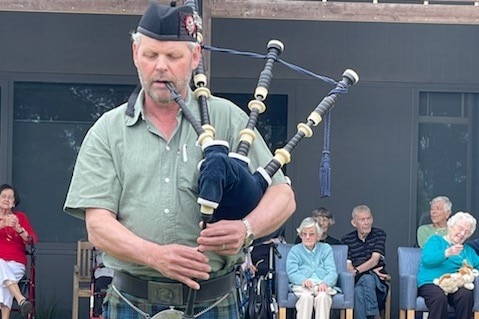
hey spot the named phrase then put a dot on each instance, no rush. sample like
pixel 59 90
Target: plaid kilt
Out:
pixel 114 307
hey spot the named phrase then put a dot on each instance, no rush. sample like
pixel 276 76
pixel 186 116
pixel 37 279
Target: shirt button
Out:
pixel 167 148
pixel 167 180
pixel 166 210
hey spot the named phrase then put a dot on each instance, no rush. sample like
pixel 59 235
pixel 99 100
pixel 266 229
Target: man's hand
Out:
pixel 226 237
pixel 181 263
pixel 350 267
pixel 381 276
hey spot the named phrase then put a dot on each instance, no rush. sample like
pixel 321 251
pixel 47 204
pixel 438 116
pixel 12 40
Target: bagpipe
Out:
pixel 226 188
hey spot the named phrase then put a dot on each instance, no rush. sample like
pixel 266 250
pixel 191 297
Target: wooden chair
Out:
pixel 386 312
pixel 82 274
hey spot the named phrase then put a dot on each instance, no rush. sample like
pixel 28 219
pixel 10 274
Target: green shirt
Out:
pixel 127 167
pixel 426 231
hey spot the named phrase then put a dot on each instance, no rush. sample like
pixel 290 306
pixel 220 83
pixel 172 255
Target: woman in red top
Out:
pixel 15 232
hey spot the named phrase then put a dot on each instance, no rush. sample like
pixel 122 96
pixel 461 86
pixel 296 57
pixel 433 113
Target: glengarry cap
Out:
pixel 168 23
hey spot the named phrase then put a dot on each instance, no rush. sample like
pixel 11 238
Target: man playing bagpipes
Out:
pixel 136 185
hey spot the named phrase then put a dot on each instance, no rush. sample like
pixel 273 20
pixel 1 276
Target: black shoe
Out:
pixel 25 306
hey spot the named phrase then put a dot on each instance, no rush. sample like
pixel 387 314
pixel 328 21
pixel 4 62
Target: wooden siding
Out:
pixel 432 11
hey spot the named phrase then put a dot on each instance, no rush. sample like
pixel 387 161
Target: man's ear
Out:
pixel 196 56
pixel 353 222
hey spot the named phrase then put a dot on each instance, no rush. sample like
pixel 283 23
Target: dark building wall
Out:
pixel 373 137
pixel 66 43
pixel 378 51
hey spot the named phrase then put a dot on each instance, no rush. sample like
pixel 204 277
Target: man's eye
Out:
pixel 149 55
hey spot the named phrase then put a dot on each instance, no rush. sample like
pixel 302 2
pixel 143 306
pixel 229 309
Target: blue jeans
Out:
pixel 365 299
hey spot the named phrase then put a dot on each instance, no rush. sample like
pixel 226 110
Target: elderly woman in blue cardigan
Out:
pixel 312 272
pixel 445 254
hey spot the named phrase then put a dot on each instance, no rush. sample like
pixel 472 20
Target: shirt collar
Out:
pixel 312 250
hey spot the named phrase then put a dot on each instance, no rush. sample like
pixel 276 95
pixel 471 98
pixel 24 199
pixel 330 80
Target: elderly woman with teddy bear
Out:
pixel 436 266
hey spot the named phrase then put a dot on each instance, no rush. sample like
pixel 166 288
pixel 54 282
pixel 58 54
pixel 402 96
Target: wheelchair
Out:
pixel 98 284
pixel 27 283
pixel 256 296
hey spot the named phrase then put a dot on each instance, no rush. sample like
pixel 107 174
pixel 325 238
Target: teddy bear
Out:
pixel 464 277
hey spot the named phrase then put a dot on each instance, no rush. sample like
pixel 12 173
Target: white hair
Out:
pixel 446 202
pixel 136 37
pixel 310 222
pixel 360 208
pixel 462 216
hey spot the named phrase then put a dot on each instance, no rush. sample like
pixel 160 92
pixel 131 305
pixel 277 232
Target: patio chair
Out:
pixel 409 301
pixel 287 299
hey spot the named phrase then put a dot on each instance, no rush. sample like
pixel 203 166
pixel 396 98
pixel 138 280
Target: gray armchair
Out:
pixel 409 301
pixel 343 301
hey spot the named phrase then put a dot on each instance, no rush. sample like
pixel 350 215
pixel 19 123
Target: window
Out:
pixel 50 121
pixel 447 151
pixel 272 124
pixel 49 124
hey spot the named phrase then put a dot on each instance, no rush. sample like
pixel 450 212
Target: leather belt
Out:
pixel 173 293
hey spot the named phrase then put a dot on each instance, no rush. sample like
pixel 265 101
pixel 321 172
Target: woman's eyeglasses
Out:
pixel 308 234
pixel 8 197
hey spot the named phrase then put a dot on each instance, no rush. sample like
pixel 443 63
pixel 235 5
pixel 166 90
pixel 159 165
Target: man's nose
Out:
pixel 161 63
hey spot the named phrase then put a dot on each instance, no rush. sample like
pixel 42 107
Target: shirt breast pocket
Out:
pixel 188 173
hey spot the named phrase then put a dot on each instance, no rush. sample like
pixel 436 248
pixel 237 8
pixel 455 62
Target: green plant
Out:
pixel 49 309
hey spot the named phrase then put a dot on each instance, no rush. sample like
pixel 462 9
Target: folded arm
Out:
pixel 177 262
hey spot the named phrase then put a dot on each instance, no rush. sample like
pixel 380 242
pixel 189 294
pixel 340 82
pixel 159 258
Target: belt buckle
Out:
pixel 165 293
pixel 168 314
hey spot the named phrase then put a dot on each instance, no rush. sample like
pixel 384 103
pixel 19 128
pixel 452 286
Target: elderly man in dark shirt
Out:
pixel 366 255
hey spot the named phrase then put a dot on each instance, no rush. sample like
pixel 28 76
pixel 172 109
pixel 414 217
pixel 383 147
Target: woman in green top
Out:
pixel 440 211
